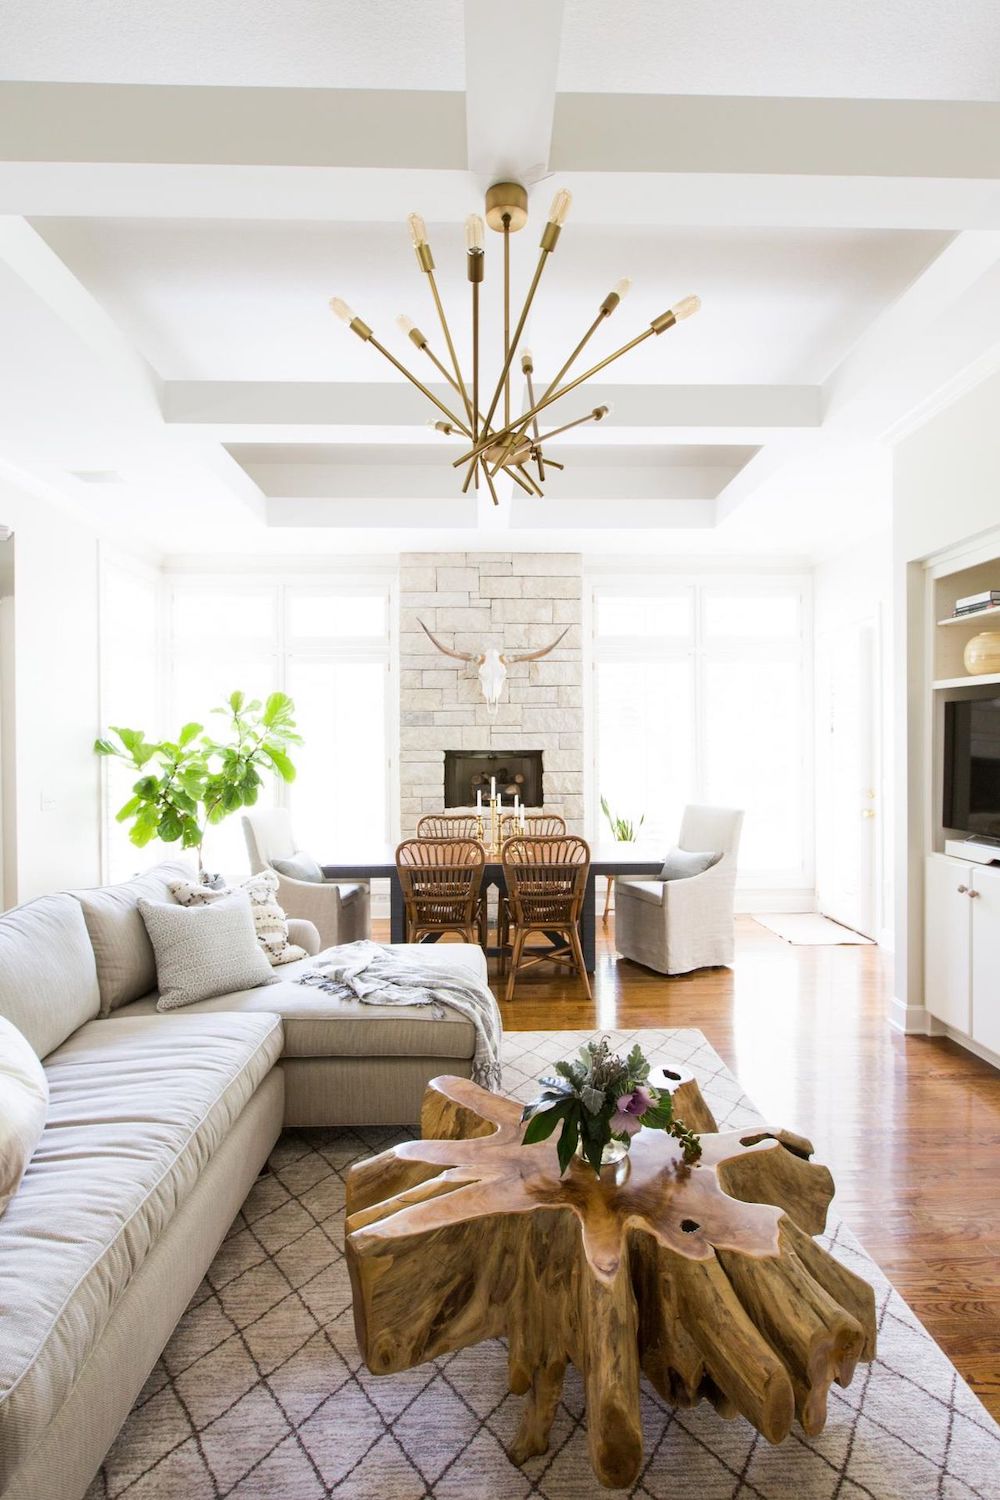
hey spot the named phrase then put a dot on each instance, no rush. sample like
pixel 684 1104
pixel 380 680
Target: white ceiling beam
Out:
pixel 510 107
pixel 802 137
pixel 362 156
pixel 98 122
pixel 373 514
pixel 236 411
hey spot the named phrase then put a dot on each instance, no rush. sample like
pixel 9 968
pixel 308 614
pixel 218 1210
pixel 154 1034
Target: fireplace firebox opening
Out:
pixel 467 772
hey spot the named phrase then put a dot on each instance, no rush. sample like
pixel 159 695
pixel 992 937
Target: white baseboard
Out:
pixel 976 1048
pixel 912 1020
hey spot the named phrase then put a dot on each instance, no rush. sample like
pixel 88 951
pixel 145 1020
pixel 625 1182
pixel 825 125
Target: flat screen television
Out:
pixel 972 765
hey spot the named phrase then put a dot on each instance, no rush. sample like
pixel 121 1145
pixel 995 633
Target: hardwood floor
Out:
pixel 910 1126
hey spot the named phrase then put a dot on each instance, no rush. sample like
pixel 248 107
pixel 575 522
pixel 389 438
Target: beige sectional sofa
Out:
pixel 157 1127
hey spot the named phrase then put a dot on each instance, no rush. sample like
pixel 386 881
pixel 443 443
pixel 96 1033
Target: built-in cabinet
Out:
pixel 962 954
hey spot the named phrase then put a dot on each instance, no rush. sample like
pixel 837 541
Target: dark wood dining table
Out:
pixel 379 863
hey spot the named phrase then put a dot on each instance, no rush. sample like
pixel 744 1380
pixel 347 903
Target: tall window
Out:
pixel 701 694
pixel 327 644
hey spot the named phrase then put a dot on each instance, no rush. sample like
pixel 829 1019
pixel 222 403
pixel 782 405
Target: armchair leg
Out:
pixel 515 959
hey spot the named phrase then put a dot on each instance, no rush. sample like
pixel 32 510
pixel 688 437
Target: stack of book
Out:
pixel 974 603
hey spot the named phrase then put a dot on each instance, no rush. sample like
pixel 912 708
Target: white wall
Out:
pixel 56 678
pixel 853 588
pixel 946 491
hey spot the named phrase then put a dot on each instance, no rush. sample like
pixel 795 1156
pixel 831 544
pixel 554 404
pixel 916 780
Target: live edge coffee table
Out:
pixel 705 1279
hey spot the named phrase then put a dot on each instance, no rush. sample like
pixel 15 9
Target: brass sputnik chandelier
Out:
pixel 508 443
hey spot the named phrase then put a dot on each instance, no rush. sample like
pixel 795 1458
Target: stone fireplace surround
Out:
pixel 517 602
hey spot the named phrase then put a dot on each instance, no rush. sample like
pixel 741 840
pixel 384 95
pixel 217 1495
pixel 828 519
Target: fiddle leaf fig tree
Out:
pixel 186 785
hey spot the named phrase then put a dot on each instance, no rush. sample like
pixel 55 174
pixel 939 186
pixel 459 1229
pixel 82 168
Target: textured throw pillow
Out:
pixel 300 867
pixel 269 920
pixel 202 951
pixel 681 864
pixel 24 1104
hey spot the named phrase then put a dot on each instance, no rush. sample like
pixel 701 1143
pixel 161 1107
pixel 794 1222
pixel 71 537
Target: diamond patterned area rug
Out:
pixel 261 1393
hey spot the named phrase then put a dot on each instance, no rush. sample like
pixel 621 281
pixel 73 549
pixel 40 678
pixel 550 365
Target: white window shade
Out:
pixel 338 799
pixel 645 753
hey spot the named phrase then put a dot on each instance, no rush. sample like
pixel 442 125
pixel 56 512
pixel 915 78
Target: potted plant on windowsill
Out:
pixel 624 831
pixel 192 783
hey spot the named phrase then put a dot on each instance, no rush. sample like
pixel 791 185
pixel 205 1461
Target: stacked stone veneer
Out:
pixel 516 602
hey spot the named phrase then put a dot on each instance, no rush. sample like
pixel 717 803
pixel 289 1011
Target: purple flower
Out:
pixel 628 1109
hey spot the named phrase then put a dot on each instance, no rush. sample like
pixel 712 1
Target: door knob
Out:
pixel 963 890
pixel 974 894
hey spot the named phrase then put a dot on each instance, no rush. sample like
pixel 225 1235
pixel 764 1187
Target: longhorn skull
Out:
pixel 492 665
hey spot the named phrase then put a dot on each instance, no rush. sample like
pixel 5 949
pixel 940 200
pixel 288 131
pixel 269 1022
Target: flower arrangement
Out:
pixel 599 1098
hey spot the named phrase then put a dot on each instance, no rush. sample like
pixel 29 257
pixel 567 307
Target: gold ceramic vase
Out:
pixel 982 654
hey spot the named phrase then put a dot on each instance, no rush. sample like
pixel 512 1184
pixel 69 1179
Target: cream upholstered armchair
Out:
pixel 677 925
pixel 340 912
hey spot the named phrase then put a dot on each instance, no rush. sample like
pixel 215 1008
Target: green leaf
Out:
pixel 236 701
pixel 189 733
pixel 132 806
pixel 541 1126
pixel 567 1143
pixel 105 747
pixel 281 763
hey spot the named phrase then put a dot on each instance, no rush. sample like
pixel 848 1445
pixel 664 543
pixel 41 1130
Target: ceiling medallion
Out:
pixel 505 442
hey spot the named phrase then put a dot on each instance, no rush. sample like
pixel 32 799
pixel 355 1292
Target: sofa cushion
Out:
pixel 48 979
pixel 646 890
pixel 126 965
pixel 681 864
pixel 203 951
pixel 24 1103
pixel 137 1108
pixel 317 1025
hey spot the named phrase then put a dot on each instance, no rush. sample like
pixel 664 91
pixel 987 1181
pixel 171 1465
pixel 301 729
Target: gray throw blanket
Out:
pixel 378 976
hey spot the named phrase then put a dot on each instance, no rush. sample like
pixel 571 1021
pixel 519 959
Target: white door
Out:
pixel 985 905
pixel 947 941
pixel 847 811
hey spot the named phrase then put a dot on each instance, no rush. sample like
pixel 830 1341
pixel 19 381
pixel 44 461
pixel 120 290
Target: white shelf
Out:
pixel 980 614
pixel 969 680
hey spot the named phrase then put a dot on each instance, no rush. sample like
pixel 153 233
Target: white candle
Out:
pixel 479 799
pixel 516 801
pixel 493 786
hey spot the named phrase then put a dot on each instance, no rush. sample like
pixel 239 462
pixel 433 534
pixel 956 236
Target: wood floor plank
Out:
pixel 910 1126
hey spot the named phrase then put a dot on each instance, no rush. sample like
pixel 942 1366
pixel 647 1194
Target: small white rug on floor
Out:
pixel 809 929
pixel 261 1393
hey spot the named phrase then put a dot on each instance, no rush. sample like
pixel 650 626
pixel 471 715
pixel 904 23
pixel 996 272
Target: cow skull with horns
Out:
pixel 492 665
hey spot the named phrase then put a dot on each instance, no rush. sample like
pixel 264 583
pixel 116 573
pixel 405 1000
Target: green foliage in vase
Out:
pixel 197 780
pixel 599 1097
pixel 624 830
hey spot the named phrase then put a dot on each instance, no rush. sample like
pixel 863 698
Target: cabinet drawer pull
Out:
pixel 963 890
pixel 974 894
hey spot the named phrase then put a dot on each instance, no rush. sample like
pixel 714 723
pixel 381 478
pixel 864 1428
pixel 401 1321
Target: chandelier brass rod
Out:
pixel 475 360
pixel 552 389
pixel 451 347
pixel 459 425
pixel 527 483
pixel 489 481
pixel 543 257
pixel 557 395
pixel 556 431
pixel 534 486
pixel 534 427
pixel 506 319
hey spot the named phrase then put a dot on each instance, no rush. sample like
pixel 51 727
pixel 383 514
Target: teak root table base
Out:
pixel 705 1279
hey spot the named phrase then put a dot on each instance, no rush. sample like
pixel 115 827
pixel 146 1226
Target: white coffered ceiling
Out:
pixel 183 187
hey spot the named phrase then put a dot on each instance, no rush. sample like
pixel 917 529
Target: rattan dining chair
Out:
pixel 546 879
pixel 448 826
pixel 442 883
pixel 537 825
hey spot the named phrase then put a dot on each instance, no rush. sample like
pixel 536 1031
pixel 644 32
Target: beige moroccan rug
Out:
pixel 261 1392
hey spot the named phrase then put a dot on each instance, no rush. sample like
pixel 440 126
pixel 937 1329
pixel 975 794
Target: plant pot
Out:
pixel 982 654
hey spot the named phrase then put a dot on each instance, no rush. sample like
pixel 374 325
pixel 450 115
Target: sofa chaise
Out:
pixel 157 1126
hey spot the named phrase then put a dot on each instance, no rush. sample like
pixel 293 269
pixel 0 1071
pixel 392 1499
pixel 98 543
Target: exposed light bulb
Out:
pixel 475 234
pixel 418 230
pixel 560 207
pixel 405 325
pixel 527 361
pixel 439 426
pixel 341 310
pixel 685 308
pixel 600 412
pixel 623 287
